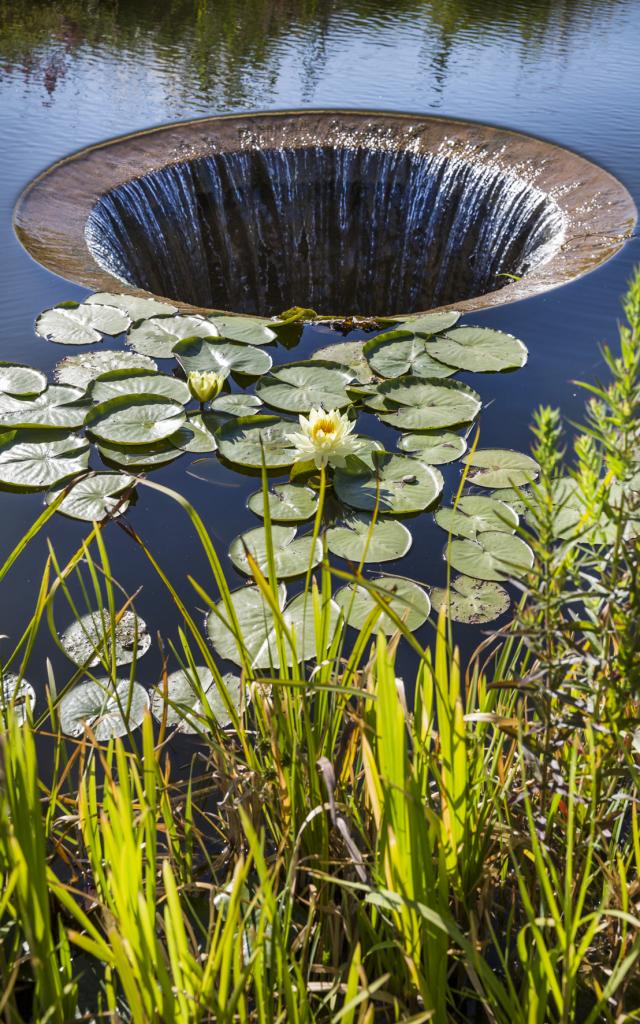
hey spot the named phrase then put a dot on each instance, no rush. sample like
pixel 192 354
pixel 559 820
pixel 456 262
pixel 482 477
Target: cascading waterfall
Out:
pixel 338 228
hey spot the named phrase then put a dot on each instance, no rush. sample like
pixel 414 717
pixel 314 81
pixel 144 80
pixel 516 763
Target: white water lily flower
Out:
pixel 205 385
pixel 325 437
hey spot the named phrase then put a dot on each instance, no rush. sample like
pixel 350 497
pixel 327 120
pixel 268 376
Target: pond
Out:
pixel 73 74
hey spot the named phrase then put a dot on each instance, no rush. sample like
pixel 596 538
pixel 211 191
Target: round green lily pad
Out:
pixel 291 556
pixel 181 703
pixel 249 330
pixel 71 323
pixel 252 440
pixel 397 484
pixel 493 556
pixel 474 515
pixel 94 497
pixel 349 354
pixel 138 382
pixel 288 503
pixel 472 601
pixel 157 336
pixel 196 434
pixel 88 640
pixel 21 381
pixel 299 387
pixel 135 420
pixel 59 407
pixel 236 405
pixel 479 349
pixel 33 460
pixel 413 404
pixel 221 356
pixel 409 602
pixel 144 458
pixel 255 622
pixel 395 353
pixel 108 710
pixel 431 323
pixel 80 370
pixel 500 467
pixel 435 449
pixel 135 307
pixel 358 541
pixel 18 694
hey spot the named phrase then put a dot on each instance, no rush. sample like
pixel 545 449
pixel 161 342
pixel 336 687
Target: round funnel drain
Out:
pixel 341 212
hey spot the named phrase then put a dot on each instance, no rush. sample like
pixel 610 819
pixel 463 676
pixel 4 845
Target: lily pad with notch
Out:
pixel 80 370
pixel 136 307
pixel 395 353
pixel 360 540
pixel 34 460
pixel 431 323
pixel 292 555
pixel 157 336
pixel 493 556
pixel 94 497
pixel 299 387
pixel 88 640
pixel 255 623
pixel 236 404
pixel 181 706
pixel 222 357
pixel 436 449
pixel 250 440
pixel 500 467
pixel 138 382
pixel 73 323
pixel 59 407
pixel 349 354
pixel 249 330
pixel 475 515
pixel 288 503
pixel 109 711
pixel 479 349
pixel 144 458
pixel 396 484
pixel 18 694
pixel 135 420
pixel 21 381
pixel 410 403
pixel 196 434
pixel 471 601
pixel 405 598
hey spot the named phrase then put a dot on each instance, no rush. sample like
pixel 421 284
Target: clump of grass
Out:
pixel 349 848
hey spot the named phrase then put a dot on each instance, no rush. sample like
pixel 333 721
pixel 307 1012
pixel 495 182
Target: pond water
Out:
pixel 74 73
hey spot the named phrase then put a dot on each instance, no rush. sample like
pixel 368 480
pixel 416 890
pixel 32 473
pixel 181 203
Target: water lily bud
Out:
pixel 205 385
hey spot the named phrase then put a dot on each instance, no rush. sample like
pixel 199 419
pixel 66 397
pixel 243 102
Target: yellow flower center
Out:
pixel 323 428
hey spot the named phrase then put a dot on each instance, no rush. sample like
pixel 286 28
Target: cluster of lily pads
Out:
pixel 115 403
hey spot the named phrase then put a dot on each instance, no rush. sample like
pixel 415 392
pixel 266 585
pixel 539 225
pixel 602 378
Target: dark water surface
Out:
pixel 74 73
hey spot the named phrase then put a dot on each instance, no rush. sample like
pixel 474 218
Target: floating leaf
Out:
pixel 250 440
pixel 494 556
pixel 80 370
pixel 474 515
pixel 397 352
pixel 135 307
pixel 89 639
pixel 144 458
pixel 349 354
pixel 71 323
pixel 431 323
pixel 397 484
pixel 255 622
pixel 138 382
pixel 135 420
pixel 414 404
pixel 300 618
pixel 108 710
pixel 21 381
pixel 517 499
pixel 472 601
pixel 182 705
pixel 222 357
pixel 60 407
pixel 196 434
pixel 291 556
pixel 288 503
pixel 249 330
pixel 409 602
pixel 299 387
pixel 94 497
pixel 18 694
pixel 434 449
pixel 479 349
pixel 158 335
pixel 358 540
pixel 236 405
pixel 33 460
pixel 500 467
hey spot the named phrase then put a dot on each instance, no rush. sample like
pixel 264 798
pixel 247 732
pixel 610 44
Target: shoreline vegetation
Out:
pixel 349 846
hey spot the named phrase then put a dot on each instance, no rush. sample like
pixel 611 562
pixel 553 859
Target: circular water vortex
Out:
pixel 342 212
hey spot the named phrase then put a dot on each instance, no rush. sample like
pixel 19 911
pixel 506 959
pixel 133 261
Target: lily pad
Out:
pixel 236 405
pixel 517 499
pixel 395 353
pixel 88 640
pixel 292 556
pixel 157 336
pixel 349 354
pixel 71 323
pixel 398 484
pixel 250 440
pixel 80 370
pixel 108 710
pixel 249 330
pixel 479 349
pixel 409 602
pixel 60 407
pixel 181 705
pixel 299 616
pixel 255 621
pixel 501 467
pixel 18 694
pixel 196 434
pixel 358 541
pixel 299 387
pixel 222 357
pixel 472 601
pixel 475 515
pixel 432 323
pixel 135 420
pixel 138 382
pixel 410 403
pixel 288 503
pixel 135 307
pixel 21 381
pixel 142 459
pixel 435 449
pixel 493 556
pixel 94 497
pixel 33 460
